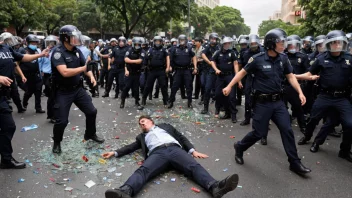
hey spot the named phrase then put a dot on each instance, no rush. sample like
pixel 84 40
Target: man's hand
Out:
pixel 5 81
pixel 314 77
pixel 217 72
pixel 226 91
pixel 45 52
pixel 240 85
pixel 107 155
pixel 194 71
pixel 109 67
pixel 199 155
pixel 127 73
pixel 24 79
pixel 93 81
pixel 302 98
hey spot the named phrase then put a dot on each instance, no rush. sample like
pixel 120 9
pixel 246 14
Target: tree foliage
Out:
pixel 268 25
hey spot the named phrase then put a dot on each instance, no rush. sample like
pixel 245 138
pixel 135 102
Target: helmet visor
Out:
pixel 76 38
pixel 10 41
pixel 337 44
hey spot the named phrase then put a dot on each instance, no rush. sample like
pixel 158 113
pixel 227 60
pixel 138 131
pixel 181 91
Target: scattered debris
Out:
pixel 28 128
pixel 90 184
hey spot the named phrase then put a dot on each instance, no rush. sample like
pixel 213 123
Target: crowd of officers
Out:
pixel 312 74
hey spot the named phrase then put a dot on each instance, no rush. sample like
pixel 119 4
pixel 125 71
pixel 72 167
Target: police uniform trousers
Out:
pixel 321 108
pixel 247 86
pixel 308 91
pixel 119 76
pixel 63 101
pixel 20 84
pixel 7 129
pixel 34 86
pixel 332 120
pixel 132 82
pixel 182 76
pixel 162 160
pixel 229 102
pixel 104 73
pixel 169 78
pixel 15 96
pixel 199 89
pixel 291 96
pixel 209 85
pixel 277 112
pixel 48 93
pixel 160 75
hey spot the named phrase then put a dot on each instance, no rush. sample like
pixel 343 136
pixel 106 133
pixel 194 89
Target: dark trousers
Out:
pixel 20 84
pixel 247 86
pixel 34 86
pixel 63 102
pixel 7 129
pixel 332 120
pixel 199 88
pixel 209 85
pixel 277 112
pixel 159 75
pixel 104 76
pixel 169 78
pixel 48 93
pixel 229 102
pixel 163 159
pixel 182 76
pixel 119 76
pixel 308 91
pixel 15 96
pixel 132 82
pixel 291 96
pixel 321 108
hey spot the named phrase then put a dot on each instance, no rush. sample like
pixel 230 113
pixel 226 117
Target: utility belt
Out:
pixel 336 93
pixel 183 68
pixel 157 68
pixel 268 97
pixel 70 88
pixel 31 74
pixel 226 73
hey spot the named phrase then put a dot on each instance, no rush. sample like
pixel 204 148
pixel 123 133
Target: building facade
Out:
pixel 209 3
pixel 290 11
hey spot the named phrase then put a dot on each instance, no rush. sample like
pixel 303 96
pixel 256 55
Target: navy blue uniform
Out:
pixel 156 60
pixel 224 61
pixel 132 81
pixel 209 74
pixel 335 81
pixel 180 58
pixel 300 65
pixel 247 81
pixel 240 57
pixel 70 90
pixel 104 72
pixel 34 82
pixel 7 124
pixel 269 74
pixel 117 70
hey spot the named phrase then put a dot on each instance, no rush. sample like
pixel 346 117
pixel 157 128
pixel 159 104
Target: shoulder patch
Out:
pixel 251 60
pixel 142 54
pixel 57 55
pixel 311 62
pixel 127 53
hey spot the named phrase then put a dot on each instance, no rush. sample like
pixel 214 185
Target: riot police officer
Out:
pixel 209 72
pixel 300 65
pixel 199 81
pixel 158 60
pixel 225 64
pixel 269 69
pixel 134 60
pixel 181 58
pixel 104 72
pixel 254 48
pixel 335 71
pixel 243 41
pixel 93 61
pixel 7 124
pixel 31 71
pixel 307 45
pixel 116 67
pixel 68 64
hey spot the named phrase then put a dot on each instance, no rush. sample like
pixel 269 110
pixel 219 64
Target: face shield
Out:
pixel 182 42
pixel 8 39
pixel 337 44
pixel 50 43
pixel 319 46
pixel 253 43
pixel 281 44
pixel 307 44
pixel 76 38
pixel 213 41
pixel 293 46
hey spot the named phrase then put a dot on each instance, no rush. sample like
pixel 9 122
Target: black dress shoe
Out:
pixel 124 191
pixel 264 141
pixel 57 147
pixel 122 105
pixel 314 148
pixel 140 107
pixel 40 111
pixel 195 97
pixel 224 186
pixel 116 96
pixel 105 95
pixel 226 116
pixel 156 96
pixel 25 107
pixel 303 141
pixel 204 111
pixel 245 122
pixel 238 155
pixel 95 138
pixel 171 104
pixel 52 120
pixel 345 155
pixel 189 105
pixel 12 164
pixel 144 102
pixel 299 168
pixel 183 97
pixel 233 119
pixel 21 110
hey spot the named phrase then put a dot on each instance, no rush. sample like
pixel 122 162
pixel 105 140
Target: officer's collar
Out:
pixel 267 57
pixel 337 58
pixel 73 49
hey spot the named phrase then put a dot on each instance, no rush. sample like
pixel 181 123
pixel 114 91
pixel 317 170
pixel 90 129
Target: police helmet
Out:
pixel 137 43
pixel 157 38
pixel 32 38
pixel 275 36
pixel 70 34
pixel 183 38
pixel 86 40
pixel 50 41
pixel 173 40
pixel 253 41
pixel 123 39
pixel 294 43
pixel 113 40
pixel 243 40
pixel 226 40
pixel 8 39
pixel 214 35
pixel 308 41
pixel 336 41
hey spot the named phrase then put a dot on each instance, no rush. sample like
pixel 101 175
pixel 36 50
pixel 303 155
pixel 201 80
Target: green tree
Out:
pixel 228 21
pixel 267 25
pixel 324 16
pixel 200 20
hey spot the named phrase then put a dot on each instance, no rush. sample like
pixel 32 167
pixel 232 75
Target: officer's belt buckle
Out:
pixel 275 97
pixel 338 93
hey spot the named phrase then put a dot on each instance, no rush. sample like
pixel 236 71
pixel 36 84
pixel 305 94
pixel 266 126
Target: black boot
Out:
pixel 303 140
pixel 189 105
pixel 40 111
pixel 264 141
pixel 105 95
pixel 124 191
pixel 95 138
pixel 226 116
pixel 205 110
pixel 238 155
pixel 122 105
pixel 314 148
pixel 171 104
pixel 345 155
pixel 245 122
pixel 234 118
pixel 144 101
pixel 299 168
pixel 139 107
pixel 57 147
pixel 12 164
pixel 224 186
